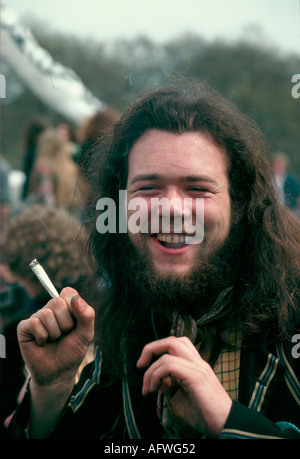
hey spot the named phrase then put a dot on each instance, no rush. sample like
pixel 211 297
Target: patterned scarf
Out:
pixel 226 367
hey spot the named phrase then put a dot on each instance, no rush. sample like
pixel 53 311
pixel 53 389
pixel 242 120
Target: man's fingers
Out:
pixel 59 316
pixel 47 324
pixel 48 319
pixel 32 329
pixel 178 358
pixel 62 313
pixel 182 347
pixel 164 372
pixel 56 316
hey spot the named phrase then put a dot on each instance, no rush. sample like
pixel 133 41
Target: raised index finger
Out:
pixel 181 347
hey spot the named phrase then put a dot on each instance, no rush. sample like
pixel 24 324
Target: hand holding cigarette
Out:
pixel 53 342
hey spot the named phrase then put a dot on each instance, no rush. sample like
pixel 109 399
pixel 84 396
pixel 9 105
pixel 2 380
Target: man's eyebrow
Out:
pixel 144 177
pixel 189 178
pixel 199 178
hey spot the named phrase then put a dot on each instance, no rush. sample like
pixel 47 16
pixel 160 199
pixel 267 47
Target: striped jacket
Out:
pixel 268 406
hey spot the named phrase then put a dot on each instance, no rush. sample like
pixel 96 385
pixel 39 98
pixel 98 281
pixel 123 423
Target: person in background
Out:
pixel 34 128
pixel 58 242
pixel 55 175
pixel 68 134
pixel 288 185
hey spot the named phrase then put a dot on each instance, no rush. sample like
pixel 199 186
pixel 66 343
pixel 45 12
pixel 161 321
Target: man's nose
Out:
pixel 171 210
pixel 178 204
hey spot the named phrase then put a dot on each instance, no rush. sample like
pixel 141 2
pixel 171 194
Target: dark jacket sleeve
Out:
pixel 94 409
pixel 245 423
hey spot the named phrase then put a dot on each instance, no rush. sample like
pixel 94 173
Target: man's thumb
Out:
pixel 85 318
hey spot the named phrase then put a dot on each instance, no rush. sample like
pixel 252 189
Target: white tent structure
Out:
pixel 57 86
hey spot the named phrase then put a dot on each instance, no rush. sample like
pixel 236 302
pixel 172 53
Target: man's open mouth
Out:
pixel 173 241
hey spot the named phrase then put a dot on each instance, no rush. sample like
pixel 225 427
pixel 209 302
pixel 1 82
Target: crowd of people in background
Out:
pixel 45 222
pixel 55 200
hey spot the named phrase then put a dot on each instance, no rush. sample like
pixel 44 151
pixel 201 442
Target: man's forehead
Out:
pixel 155 140
pixel 191 156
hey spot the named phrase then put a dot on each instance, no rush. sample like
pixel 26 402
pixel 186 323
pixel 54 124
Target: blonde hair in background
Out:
pixel 54 157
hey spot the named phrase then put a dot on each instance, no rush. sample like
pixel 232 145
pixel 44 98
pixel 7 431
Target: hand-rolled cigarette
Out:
pixel 43 278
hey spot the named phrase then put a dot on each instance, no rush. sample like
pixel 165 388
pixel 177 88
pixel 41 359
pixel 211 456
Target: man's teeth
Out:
pixel 173 238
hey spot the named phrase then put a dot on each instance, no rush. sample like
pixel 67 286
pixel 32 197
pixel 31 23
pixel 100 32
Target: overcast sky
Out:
pixel 162 20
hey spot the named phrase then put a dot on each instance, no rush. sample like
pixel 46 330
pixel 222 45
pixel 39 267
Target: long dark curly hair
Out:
pixel 266 287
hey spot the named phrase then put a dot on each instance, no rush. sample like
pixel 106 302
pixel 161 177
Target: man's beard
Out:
pixel 193 292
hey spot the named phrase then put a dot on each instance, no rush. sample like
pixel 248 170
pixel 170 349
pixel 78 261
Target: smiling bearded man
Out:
pixel 193 340
pixel 178 274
